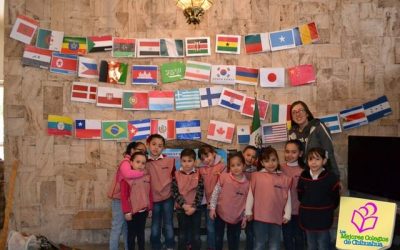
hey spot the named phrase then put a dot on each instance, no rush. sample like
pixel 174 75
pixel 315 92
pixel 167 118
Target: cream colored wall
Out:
pixel 357 60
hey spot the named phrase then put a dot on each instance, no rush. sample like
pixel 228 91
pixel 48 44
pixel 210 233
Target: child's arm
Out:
pixel 288 209
pixel 199 193
pixel 128 173
pixel 249 205
pixel 125 193
pixel 214 200
pixel 336 194
pixel 175 193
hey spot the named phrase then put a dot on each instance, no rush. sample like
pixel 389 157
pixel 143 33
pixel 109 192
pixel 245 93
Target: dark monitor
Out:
pixel 374 166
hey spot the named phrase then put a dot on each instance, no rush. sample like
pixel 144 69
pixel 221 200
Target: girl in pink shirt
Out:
pixel 124 171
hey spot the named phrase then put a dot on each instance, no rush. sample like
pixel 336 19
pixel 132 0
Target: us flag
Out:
pixel 274 132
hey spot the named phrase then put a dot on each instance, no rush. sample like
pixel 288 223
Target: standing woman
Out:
pixel 124 171
pixel 311 132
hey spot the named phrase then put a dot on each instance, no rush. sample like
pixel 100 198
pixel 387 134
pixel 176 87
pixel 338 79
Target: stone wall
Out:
pixel 357 60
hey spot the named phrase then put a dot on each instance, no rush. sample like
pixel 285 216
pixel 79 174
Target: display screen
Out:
pixel 374 166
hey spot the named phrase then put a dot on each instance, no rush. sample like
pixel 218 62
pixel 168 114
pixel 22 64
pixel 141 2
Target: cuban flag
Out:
pixel 377 109
pixel 138 129
pixel 353 117
pixel 210 96
pixel 188 130
pixel 231 99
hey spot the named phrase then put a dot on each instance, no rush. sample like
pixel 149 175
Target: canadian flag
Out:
pixel 166 128
pixel 220 131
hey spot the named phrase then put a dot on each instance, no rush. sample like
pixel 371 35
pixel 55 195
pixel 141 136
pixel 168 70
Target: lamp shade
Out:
pixel 204 4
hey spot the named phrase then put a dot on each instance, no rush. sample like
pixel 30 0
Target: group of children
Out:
pixel 252 192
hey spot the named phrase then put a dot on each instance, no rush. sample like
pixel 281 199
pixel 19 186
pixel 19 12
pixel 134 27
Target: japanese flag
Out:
pixel 272 77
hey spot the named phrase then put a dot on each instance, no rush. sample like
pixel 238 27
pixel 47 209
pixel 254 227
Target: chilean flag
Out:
pixel 88 129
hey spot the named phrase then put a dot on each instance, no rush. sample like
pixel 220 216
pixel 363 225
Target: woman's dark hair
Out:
pixel 155 136
pixel 138 153
pixel 132 145
pixel 205 149
pixel 265 154
pixel 321 153
pixel 235 155
pixel 188 152
pixel 308 112
pixel 300 147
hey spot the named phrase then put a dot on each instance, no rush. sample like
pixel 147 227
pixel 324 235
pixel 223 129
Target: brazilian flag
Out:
pixel 114 130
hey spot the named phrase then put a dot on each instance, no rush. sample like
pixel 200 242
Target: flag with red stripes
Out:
pixel 64 64
pixel 83 92
pixel 148 48
pixel 220 131
pixel 109 97
pixel 36 57
pixel 164 127
pixel 198 46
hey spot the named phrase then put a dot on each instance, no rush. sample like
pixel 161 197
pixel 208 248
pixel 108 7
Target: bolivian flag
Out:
pixel 59 125
pixel 229 44
pixel 74 45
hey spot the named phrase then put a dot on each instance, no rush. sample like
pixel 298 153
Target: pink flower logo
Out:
pixel 363 218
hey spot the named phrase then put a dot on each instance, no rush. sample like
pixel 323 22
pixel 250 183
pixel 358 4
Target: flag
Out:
pixel 49 39
pixel 88 129
pixel 308 33
pixel 59 125
pixel 220 131
pixel 138 129
pixel 171 47
pixel 74 45
pixel 231 99
pixel 332 123
pixel 223 74
pixel 256 43
pixel 166 128
pixel 23 29
pixel 249 104
pixel 144 74
pixel 255 136
pixel 243 134
pixel 36 57
pixel 210 96
pixel 296 36
pixel 282 39
pixel 114 130
pixel 245 75
pixel 198 46
pixel 188 130
pixel 103 71
pixel 281 114
pixel 377 109
pixel 187 99
pixel 172 72
pixel 135 100
pixel 87 68
pixel 148 48
pixel 99 43
pixel 84 92
pixel 353 117
pixel 161 100
pixel 197 71
pixel 274 132
pixel 272 77
pixel 109 97
pixel 302 74
pixel 228 44
pixel 64 64
pixel 117 72
pixel 123 47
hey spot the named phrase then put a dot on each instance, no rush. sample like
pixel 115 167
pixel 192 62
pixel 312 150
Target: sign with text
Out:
pixel 365 224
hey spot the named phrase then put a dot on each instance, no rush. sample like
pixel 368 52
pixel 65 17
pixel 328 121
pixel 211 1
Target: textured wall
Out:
pixel 357 60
